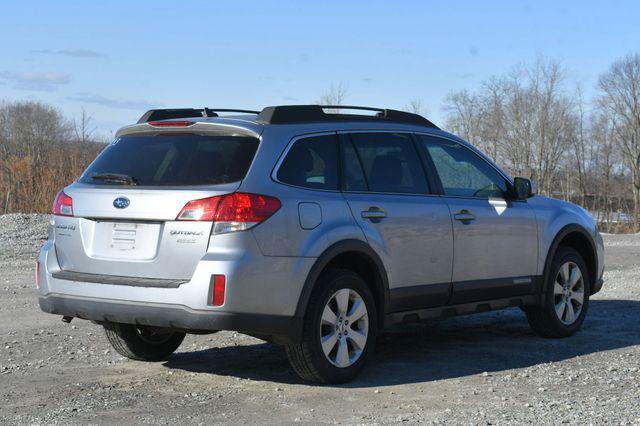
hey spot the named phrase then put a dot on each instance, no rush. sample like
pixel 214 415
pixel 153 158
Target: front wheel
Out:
pixel 142 343
pixel 339 331
pixel 566 297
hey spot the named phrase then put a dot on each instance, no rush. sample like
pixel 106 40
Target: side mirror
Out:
pixel 523 188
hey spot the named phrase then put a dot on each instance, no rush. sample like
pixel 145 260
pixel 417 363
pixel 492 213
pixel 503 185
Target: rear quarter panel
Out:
pixel 282 234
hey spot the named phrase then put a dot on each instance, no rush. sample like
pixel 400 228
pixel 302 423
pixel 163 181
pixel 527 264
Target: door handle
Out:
pixel 374 214
pixel 464 216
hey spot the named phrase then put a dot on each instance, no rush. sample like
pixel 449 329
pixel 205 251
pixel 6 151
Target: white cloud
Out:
pixel 118 103
pixel 77 53
pixel 39 81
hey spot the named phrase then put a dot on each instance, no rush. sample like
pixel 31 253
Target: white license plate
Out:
pixel 125 240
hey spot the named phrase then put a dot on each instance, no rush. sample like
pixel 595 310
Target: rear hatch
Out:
pixel 125 205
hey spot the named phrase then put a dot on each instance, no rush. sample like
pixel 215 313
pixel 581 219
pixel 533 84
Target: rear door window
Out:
pixel 390 163
pixel 174 160
pixel 311 163
pixel 354 178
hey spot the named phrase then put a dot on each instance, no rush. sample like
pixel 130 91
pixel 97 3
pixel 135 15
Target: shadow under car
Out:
pixel 440 349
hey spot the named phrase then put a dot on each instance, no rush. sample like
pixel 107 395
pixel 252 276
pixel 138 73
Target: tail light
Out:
pixel 63 206
pixel 200 210
pixel 231 212
pixel 218 282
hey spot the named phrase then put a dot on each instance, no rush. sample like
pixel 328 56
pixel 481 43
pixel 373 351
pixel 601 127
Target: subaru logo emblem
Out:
pixel 121 203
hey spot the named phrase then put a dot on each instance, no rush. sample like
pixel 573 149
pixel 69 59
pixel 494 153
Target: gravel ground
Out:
pixel 481 369
pixel 21 236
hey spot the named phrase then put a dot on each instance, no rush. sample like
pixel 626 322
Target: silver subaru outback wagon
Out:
pixel 310 228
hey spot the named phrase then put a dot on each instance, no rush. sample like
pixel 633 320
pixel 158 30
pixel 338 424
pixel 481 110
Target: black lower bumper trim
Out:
pixel 117 280
pixel 284 329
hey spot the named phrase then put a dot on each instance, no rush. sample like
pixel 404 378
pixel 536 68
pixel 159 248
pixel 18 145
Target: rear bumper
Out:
pixel 261 292
pixel 284 329
pixel 255 284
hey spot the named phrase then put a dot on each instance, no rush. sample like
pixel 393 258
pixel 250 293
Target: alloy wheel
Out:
pixel 344 327
pixel 568 293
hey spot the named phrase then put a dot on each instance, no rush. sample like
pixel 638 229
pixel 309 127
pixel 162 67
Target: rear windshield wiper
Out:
pixel 115 177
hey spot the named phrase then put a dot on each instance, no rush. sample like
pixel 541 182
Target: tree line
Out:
pixel 584 151
pixel 41 151
pixel 528 120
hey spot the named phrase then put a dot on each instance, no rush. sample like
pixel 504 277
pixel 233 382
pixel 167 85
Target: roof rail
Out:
pixel 167 114
pixel 287 114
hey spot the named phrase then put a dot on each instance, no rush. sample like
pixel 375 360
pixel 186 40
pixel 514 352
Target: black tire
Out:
pixel 142 343
pixel 307 358
pixel 544 320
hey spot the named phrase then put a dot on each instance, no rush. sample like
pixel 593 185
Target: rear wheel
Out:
pixel 566 297
pixel 142 343
pixel 339 331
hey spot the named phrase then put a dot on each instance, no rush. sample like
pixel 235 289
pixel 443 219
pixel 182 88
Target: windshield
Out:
pixel 172 160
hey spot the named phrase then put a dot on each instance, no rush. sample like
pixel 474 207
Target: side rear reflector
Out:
pixel 38 274
pixel 218 282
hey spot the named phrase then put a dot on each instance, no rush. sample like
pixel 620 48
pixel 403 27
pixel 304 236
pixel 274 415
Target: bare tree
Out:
pixel 334 96
pixel 28 128
pixel 604 162
pixel 464 115
pixel 554 121
pixel 493 116
pixel 620 87
pixel 580 143
pixel 524 120
pixel 38 155
pixel 83 128
pixel 415 106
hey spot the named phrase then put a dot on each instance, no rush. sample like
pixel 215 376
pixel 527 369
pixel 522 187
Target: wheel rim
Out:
pixel 153 336
pixel 344 328
pixel 568 293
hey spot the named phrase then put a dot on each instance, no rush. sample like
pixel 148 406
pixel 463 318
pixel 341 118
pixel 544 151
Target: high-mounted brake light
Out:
pixel 171 123
pixel 231 212
pixel 63 205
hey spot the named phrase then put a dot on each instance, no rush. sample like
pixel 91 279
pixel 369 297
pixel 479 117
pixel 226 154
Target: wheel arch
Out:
pixel 355 255
pixel 578 238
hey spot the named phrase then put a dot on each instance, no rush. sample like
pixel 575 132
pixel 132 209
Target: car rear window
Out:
pixel 174 160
